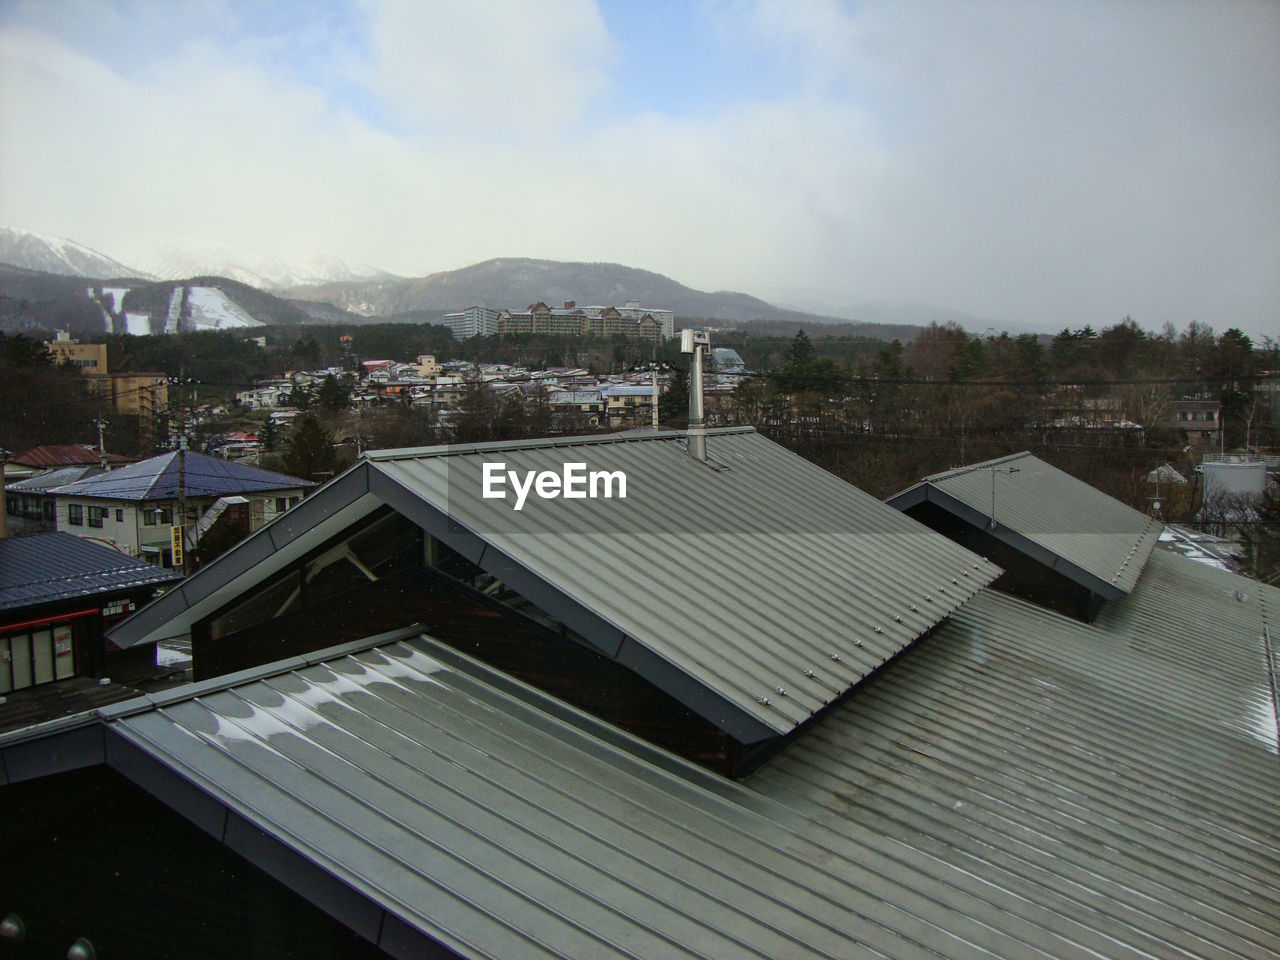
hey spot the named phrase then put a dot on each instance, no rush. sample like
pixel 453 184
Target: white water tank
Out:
pixel 1236 479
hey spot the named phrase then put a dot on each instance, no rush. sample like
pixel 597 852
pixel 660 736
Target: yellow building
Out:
pixel 89 357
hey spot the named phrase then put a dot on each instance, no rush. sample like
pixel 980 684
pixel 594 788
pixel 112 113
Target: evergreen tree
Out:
pixel 309 454
pixel 673 405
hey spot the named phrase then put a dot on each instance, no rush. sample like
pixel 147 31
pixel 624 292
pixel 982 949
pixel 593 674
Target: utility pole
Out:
pixel 178 544
pixel 102 450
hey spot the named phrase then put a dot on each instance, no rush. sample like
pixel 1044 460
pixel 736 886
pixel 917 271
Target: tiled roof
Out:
pixel 64 455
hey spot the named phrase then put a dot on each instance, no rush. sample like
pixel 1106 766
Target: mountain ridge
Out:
pixel 122 299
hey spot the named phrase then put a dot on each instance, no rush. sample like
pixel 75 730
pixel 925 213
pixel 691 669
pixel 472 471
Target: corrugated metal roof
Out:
pixel 1096 540
pixel 58 566
pixel 1019 785
pixel 42 482
pixel 157 479
pixel 766 580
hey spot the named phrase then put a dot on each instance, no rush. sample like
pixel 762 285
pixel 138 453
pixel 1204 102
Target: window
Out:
pixel 119 515
pixel 96 516
pixel 50 509
pixel 282 504
pixel 148 518
pixel 75 514
pixel 387 546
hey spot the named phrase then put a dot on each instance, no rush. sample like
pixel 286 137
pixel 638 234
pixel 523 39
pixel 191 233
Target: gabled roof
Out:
pixel 1069 526
pixel 756 589
pixel 63 455
pixel 1020 784
pixel 46 567
pixel 157 479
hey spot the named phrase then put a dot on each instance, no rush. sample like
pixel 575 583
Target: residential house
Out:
pixel 586 406
pixel 30 507
pixel 1200 417
pixel 628 402
pixel 133 509
pixel 58 594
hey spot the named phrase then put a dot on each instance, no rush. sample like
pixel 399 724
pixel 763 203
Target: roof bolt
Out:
pixel 857 643
pixel 927 598
pixel 780 691
pixel 896 618
pixel 913 606
pixel 879 629
pixel 763 701
pixel 810 674
pixel 835 657
pixel 954 580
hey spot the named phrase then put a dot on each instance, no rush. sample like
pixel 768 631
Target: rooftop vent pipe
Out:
pixel 694 342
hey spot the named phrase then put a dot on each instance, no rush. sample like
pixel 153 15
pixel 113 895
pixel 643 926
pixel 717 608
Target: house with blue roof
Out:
pixel 134 509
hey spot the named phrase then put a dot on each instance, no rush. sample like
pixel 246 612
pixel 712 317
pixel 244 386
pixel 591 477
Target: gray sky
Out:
pixel 1044 164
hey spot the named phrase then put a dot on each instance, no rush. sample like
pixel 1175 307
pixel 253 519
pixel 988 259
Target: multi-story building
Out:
pixel 135 508
pixel 142 395
pixel 574 321
pixel 1200 416
pixel 666 319
pixel 88 357
pixel 475 321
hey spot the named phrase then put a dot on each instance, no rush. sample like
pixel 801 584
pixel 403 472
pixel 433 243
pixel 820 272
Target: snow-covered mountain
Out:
pixel 36 251
pixel 179 261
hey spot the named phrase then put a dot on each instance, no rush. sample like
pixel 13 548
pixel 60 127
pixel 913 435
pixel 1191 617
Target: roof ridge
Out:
pixel 975 467
pixel 545 443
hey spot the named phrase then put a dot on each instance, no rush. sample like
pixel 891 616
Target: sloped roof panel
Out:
pixel 1091 537
pixel 46 567
pixel 157 479
pixel 1019 784
pixel 768 581
pixel 1108 789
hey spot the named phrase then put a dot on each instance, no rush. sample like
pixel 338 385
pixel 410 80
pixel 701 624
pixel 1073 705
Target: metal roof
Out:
pixel 45 567
pixel 43 482
pixel 157 479
pixel 1104 790
pixel 59 455
pixel 756 590
pixel 771 584
pixel 1020 784
pixel 1063 522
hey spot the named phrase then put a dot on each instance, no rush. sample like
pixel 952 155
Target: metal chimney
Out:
pixel 694 342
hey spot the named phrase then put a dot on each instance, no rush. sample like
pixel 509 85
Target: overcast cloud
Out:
pixel 1044 164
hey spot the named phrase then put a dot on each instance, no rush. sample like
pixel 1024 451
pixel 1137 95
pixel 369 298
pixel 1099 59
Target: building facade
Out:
pixel 474 321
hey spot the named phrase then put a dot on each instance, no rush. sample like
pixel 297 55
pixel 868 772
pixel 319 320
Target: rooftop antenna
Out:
pixel 694 342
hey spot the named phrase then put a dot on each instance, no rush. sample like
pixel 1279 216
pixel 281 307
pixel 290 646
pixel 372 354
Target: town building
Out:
pixel 134 508
pixel 1200 417
pixel 87 357
pixel 474 321
pixel 58 594
pixel 144 395
pixel 574 321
